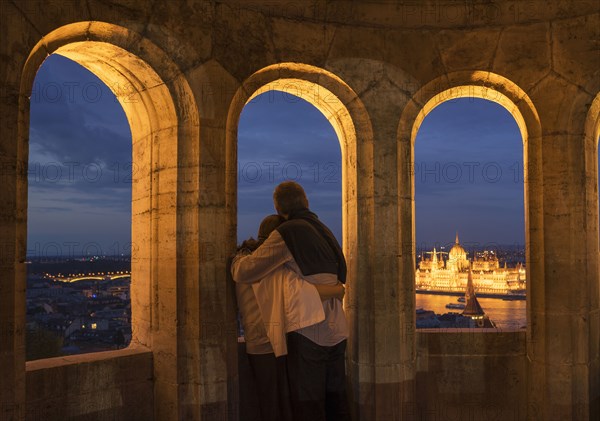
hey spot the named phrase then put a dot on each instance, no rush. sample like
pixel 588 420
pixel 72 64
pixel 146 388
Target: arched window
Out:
pixel 469 212
pixel 79 214
pixel 282 137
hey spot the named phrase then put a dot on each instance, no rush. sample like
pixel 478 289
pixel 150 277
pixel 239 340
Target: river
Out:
pixel 505 314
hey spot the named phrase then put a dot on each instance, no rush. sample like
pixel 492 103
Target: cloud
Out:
pixel 71 125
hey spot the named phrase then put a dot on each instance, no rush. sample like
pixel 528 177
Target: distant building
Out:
pixel 451 275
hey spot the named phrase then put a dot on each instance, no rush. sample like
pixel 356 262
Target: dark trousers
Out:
pixel 272 385
pixel 317 377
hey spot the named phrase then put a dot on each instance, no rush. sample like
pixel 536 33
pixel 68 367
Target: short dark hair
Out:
pixel 268 225
pixel 289 196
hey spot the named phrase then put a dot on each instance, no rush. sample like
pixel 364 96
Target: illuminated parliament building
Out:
pixel 451 275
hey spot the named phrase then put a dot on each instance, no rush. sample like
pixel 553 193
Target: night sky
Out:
pixel 79 164
pixel 468 174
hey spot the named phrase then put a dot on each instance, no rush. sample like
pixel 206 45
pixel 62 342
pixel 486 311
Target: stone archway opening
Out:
pixel 428 346
pixel 338 104
pixel 495 88
pixel 282 137
pixel 338 116
pixel 341 106
pixel 469 213
pixel 162 114
pixel 150 112
pixel 79 215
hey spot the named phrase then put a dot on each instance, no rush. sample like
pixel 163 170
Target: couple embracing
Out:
pixel 289 287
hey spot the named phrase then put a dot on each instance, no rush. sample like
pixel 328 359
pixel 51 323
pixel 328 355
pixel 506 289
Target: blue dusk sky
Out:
pixel 468 173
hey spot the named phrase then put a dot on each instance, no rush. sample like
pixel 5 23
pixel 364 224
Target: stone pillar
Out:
pixel 12 268
pixel 19 37
pixel 212 308
pixel 381 303
pixel 564 304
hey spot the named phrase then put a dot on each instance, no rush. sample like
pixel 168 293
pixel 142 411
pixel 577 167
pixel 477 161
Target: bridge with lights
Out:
pixel 92 276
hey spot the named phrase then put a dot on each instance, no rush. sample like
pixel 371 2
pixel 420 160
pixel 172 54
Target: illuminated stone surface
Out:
pixel 183 72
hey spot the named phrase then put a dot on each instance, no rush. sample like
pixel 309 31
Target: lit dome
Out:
pixel 457 252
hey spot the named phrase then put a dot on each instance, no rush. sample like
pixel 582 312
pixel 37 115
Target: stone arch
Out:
pixel 164 121
pixel 345 111
pixel 496 88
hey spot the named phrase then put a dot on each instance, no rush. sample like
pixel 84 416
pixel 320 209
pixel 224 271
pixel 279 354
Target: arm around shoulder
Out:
pixel 269 256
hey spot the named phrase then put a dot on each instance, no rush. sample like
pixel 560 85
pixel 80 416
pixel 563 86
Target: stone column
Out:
pixel 19 36
pixel 564 304
pixel 210 303
pixel 12 267
pixel 381 303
